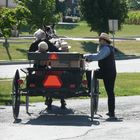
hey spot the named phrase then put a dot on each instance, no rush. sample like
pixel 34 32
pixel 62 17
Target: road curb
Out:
pixel 15 62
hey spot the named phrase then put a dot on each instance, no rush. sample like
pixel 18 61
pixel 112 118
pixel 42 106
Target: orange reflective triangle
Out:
pixel 52 81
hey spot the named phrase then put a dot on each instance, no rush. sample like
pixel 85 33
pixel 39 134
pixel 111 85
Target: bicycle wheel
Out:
pixel 15 95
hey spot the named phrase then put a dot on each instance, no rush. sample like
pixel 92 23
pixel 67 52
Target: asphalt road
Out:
pixel 131 65
pixel 74 122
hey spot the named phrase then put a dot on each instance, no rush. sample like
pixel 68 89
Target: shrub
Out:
pixel 133 18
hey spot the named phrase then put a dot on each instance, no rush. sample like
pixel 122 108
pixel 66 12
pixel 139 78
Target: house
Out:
pixel 72 7
pixel 7 3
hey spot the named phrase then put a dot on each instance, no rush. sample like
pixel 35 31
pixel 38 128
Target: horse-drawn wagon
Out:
pixel 55 75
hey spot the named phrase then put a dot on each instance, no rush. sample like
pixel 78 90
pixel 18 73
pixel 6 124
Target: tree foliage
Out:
pixel 43 12
pixel 134 4
pixel 6 21
pixel 98 12
pixel 11 18
pixel 60 6
pixel 133 18
pixel 22 14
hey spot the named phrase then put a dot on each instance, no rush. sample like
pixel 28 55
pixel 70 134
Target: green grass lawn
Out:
pixel 126 84
pixel 18 48
pixel 83 30
pixel 129 31
pixel 126 48
pixel 17 51
pixel 79 30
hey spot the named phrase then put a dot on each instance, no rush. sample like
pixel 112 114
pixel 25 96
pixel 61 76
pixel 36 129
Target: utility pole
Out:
pixel 6 4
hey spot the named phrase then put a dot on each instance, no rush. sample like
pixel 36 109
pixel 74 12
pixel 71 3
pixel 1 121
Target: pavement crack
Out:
pixel 79 136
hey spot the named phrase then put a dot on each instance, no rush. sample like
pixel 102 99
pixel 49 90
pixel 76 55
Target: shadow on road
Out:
pixel 23 51
pixel 89 47
pixel 114 120
pixel 66 117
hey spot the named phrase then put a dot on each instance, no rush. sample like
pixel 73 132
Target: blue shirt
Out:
pixel 103 52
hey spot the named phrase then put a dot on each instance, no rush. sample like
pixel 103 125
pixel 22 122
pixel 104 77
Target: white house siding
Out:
pixel 10 3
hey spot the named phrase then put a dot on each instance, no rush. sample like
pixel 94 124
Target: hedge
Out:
pixel 133 18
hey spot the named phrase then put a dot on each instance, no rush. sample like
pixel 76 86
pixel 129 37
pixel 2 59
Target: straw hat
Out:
pixel 42 46
pixel 105 36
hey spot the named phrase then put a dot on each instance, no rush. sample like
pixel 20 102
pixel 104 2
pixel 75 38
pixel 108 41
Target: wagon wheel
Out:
pixel 16 95
pixel 94 96
pixel 27 104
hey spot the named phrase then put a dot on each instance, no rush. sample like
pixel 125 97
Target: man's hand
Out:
pixel 87 57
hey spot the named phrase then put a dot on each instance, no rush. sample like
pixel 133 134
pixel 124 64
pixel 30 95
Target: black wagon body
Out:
pixel 56 75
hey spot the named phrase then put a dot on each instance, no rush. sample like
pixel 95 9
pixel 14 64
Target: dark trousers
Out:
pixel 49 101
pixel 109 82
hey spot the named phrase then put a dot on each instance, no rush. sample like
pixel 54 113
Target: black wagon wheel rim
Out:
pixel 92 107
pixel 15 95
pixel 91 98
pixel 94 96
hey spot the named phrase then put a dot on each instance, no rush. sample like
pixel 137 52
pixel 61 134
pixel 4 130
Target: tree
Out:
pixel 6 21
pixel 22 15
pixel 9 19
pixel 43 12
pixel 134 4
pixel 98 12
pixel 61 7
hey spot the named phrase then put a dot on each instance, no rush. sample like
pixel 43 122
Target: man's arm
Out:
pixel 103 53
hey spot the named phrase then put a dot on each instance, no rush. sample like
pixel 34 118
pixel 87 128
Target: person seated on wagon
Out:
pixel 41 44
pixel 42 48
pixel 39 37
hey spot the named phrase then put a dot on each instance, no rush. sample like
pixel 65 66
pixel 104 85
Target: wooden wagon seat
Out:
pixel 58 59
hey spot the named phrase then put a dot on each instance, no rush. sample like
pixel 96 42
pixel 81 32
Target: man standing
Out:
pixel 106 71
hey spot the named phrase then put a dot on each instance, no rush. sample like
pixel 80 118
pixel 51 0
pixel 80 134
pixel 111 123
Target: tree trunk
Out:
pixel 6 45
